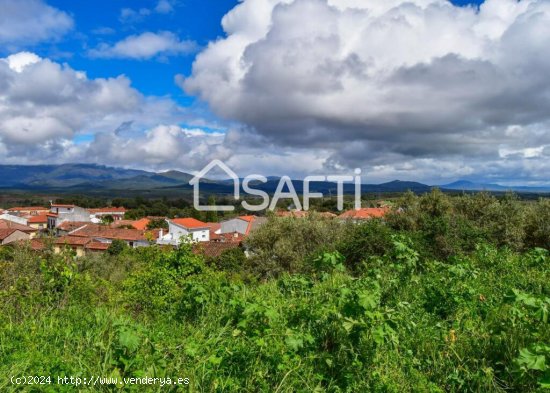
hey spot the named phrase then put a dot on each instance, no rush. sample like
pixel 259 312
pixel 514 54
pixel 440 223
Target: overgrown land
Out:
pixel 448 294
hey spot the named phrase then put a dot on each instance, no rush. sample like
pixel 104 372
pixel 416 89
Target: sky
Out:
pixel 421 90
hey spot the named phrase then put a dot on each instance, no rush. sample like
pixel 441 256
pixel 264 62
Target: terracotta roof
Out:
pixel 4 233
pixel 213 249
pixel 103 232
pixel 27 208
pixel 72 225
pixel 247 218
pixel 108 210
pixel 5 224
pixel 97 246
pixel 141 224
pixel 72 241
pixel 33 244
pixel 40 219
pixel 365 213
pixel 60 205
pixel 214 226
pixel 189 223
pixel 232 237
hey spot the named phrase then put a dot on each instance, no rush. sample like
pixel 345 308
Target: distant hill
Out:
pixel 65 175
pixel 465 185
pixel 94 179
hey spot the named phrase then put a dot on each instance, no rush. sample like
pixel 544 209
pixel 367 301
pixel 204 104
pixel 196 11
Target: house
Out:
pixel 141 224
pixel 13 218
pixel 364 213
pixel 5 224
pixel 39 222
pixel 67 227
pixel 11 235
pixel 62 213
pixel 102 234
pixel 184 228
pixel 33 244
pixel 77 244
pixel 215 230
pixel 28 210
pixel 96 215
pixel 243 225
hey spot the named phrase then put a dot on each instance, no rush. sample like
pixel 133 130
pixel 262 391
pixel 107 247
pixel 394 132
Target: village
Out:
pixel 87 230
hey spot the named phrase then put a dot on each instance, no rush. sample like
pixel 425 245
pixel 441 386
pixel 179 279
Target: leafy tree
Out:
pixel 117 247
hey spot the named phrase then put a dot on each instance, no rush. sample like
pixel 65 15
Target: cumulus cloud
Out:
pixel 389 85
pixel 51 113
pixel 146 46
pixel 31 21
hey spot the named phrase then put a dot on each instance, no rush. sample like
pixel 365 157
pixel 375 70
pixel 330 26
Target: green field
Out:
pixel 450 294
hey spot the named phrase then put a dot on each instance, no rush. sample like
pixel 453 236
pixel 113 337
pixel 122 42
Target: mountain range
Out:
pixel 99 178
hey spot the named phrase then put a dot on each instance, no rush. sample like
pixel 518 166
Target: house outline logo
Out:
pixel 195 182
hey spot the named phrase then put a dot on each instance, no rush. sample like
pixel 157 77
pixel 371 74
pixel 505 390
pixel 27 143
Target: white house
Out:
pixel 96 215
pixel 185 228
pixel 13 218
pixel 62 213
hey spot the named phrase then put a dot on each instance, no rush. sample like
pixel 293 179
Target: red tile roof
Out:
pixel 69 226
pixel 27 208
pixel 108 210
pixel 4 233
pixel 214 226
pixel 100 231
pixel 33 244
pixel 72 241
pixel 5 224
pixel 40 219
pixel 365 213
pixel 141 224
pixel 213 249
pixel 189 223
pixel 97 246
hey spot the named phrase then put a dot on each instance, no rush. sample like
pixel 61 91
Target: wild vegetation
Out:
pixel 448 294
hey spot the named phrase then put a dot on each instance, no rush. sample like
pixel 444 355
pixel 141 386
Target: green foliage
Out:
pixel 446 295
pixel 287 244
pixel 157 223
pixel 117 247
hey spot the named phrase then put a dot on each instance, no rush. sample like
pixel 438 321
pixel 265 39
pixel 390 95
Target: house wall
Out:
pixel 80 252
pixel 16 236
pixel 61 210
pixel 198 235
pixel 234 225
pixel 131 243
pixel 12 218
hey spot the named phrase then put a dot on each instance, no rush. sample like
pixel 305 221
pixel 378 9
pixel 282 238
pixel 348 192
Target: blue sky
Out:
pixel 196 20
pixel 425 90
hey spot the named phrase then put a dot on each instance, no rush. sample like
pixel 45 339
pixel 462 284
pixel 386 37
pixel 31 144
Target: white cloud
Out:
pixel 164 7
pixel 130 15
pixel 146 46
pixel 42 100
pixel 31 21
pixel 386 83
